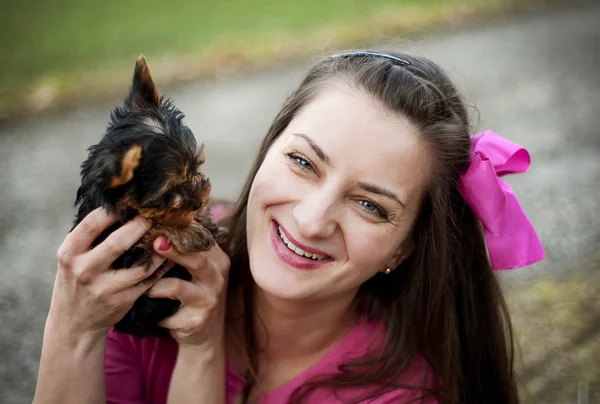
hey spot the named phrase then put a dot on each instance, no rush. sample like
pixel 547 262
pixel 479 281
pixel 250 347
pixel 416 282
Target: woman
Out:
pixel 359 267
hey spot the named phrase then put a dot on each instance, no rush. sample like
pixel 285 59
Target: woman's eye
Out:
pixel 373 208
pixel 368 205
pixel 301 161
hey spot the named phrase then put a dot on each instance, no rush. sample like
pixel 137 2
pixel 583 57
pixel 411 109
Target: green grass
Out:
pixel 74 48
pixel 557 328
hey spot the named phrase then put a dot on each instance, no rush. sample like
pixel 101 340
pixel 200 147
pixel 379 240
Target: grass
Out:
pixel 64 50
pixel 557 329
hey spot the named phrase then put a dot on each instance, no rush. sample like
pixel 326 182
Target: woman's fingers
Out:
pixel 126 278
pixel 192 261
pixel 207 267
pixel 120 241
pixel 197 304
pixel 187 293
pixel 186 321
pixel 83 235
pixel 219 259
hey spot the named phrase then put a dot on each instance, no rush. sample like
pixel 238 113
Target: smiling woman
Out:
pixel 359 267
pixel 362 166
pixel 321 187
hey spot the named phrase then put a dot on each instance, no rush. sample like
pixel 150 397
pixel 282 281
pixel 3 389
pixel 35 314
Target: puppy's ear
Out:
pixel 144 92
pixel 107 169
pixel 122 170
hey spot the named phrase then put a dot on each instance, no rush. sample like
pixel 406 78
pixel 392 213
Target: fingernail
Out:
pixel 164 244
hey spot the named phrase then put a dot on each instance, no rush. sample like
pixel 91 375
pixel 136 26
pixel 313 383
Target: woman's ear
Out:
pixel 406 248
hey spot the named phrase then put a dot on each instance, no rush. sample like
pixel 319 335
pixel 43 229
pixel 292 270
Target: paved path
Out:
pixel 534 80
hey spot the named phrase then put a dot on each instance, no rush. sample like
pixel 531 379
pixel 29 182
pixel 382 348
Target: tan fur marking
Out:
pixel 175 180
pixel 175 218
pixel 130 162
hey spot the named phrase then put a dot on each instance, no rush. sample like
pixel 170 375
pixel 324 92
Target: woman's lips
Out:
pixel 290 257
pixel 297 243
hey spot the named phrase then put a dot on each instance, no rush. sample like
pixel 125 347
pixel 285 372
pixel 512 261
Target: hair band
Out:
pixel 374 54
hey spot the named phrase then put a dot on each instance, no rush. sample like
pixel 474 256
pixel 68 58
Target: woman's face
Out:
pixel 341 187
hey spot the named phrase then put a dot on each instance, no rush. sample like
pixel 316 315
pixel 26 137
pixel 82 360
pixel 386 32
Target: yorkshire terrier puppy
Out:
pixel 148 164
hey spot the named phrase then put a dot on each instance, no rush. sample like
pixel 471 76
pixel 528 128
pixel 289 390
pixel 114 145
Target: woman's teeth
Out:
pixel 299 251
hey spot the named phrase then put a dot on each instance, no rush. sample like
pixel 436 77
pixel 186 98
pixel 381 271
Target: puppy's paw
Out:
pixel 194 238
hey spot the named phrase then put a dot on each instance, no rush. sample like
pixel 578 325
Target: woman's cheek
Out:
pixel 370 250
pixel 276 183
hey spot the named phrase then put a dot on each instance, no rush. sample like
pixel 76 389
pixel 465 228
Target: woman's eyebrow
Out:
pixel 375 189
pixel 318 151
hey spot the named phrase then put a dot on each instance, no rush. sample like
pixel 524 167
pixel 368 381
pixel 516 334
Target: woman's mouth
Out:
pixel 299 257
pixel 298 250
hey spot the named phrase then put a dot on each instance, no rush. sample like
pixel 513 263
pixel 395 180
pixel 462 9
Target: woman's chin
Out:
pixel 282 286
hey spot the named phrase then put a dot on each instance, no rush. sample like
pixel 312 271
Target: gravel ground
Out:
pixel 533 78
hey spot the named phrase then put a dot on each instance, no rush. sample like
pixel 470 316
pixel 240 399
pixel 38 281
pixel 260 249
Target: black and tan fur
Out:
pixel 148 164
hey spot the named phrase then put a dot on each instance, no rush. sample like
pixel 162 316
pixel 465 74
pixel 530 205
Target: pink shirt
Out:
pixel 138 371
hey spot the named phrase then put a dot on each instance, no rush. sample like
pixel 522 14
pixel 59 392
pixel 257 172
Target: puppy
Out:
pixel 148 163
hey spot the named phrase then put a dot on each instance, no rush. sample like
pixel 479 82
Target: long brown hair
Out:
pixel 443 302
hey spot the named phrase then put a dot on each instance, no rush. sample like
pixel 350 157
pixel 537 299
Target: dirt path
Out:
pixel 534 79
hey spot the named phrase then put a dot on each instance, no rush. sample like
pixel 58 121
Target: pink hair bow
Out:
pixel 510 237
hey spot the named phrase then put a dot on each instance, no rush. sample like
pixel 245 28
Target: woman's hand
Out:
pixel 200 320
pixel 198 325
pixel 89 297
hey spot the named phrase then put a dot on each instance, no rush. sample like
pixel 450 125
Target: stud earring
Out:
pixel 387 271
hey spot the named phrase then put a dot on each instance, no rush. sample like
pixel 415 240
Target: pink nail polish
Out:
pixel 164 244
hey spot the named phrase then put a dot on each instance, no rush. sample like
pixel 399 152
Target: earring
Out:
pixel 387 271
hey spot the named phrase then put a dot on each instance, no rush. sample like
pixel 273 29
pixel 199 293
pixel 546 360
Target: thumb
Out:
pixel 167 250
pixel 193 262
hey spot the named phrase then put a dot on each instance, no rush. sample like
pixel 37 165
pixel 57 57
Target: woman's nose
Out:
pixel 315 215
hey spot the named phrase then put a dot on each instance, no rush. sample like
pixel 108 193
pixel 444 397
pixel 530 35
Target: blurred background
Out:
pixel 529 69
